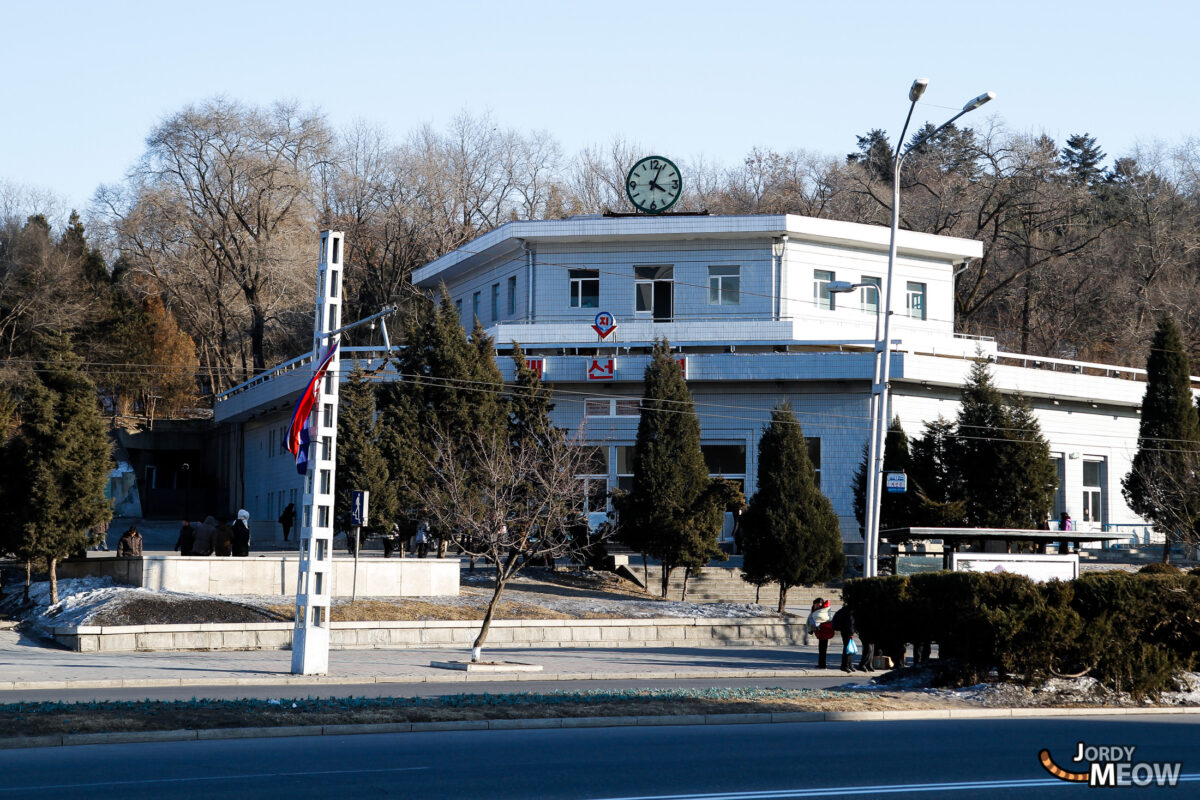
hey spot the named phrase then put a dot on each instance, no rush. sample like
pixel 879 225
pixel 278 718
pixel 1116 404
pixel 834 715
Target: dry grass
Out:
pixel 420 610
pixel 97 718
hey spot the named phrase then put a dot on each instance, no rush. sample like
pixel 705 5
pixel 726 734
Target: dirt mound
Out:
pixel 144 609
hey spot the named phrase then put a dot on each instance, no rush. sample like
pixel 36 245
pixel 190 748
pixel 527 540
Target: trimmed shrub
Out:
pixel 1160 569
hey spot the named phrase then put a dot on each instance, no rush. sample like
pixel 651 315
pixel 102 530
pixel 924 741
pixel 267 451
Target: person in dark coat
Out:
pixel 241 534
pixel 843 623
pixel 204 534
pixel 187 538
pixel 130 545
pixel 287 519
pixel 223 540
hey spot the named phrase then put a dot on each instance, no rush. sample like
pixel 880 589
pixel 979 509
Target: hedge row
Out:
pixel 1132 632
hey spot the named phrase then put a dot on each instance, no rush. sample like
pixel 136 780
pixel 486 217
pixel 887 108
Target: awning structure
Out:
pixel 955 538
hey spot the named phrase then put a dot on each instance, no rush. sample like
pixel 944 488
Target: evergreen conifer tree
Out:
pixel 1161 484
pixel 895 507
pixel 1082 158
pixel 58 461
pixel 932 482
pixel 360 461
pixel 674 512
pixel 792 533
pixel 529 404
pixel 1029 479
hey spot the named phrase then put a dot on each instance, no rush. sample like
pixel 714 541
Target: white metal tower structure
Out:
pixel 310 639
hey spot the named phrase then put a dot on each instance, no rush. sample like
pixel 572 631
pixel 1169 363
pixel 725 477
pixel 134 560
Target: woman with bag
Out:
pixel 843 623
pixel 820 626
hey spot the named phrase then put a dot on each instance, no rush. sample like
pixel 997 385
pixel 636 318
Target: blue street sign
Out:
pixel 897 482
pixel 358 507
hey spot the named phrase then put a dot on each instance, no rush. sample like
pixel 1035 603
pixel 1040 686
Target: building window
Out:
pixel 625 453
pixel 326 481
pixel 814 455
pixel 271 443
pixel 585 288
pixel 868 296
pixel 474 307
pixel 726 461
pixel 653 291
pixel 822 297
pixel 512 295
pixel 327 411
pixel 595 480
pixel 458 308
pixel 1093 491
pixel 612 407
pixel 914 300
pixel 724 286
pixel 495 302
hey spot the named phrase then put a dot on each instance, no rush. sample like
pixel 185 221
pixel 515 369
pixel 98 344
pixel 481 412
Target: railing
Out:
pixel 291 366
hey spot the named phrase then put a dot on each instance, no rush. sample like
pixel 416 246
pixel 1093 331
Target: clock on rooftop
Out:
pixel 654 184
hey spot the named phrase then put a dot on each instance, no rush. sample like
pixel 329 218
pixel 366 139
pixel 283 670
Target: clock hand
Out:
pixel 655 186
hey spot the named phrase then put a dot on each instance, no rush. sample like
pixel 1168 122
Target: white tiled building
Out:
pixel 744 300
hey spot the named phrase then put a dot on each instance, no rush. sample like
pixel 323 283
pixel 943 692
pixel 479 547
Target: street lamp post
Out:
pixel 883 344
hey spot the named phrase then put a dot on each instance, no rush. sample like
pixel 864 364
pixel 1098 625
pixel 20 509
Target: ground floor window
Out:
pixel 1093 491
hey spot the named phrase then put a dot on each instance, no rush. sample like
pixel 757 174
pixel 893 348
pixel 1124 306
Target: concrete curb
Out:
pixel 287 679
pixel 73 739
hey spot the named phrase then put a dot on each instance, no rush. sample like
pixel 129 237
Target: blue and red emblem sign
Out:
pixel 606 323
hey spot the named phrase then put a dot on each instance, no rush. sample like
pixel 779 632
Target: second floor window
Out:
pixel 869 295
pixel 652 292
pixel 914 302
pixel 495 302
pixel 512 295
pixel 474 307
pixel 724 286
pixel 822 297
pixel 585 288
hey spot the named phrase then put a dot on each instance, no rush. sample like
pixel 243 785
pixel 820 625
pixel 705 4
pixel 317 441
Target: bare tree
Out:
pixel 510 503
pixel 1169 492
pixel 223 198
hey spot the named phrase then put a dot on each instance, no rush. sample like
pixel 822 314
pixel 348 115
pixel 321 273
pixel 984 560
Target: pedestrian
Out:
pixel 422 539
pixel 287 519
pixel 100 535
pixel 204 534
pixel 819 625
pixel 1065 523
pixel 130 544
pixel 843 623
pixel 241 534
pixel 223 540
pixel 187 538
pixel 391 541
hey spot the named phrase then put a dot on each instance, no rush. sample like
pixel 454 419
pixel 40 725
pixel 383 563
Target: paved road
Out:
pixel 976 759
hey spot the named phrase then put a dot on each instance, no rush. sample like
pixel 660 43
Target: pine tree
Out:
pixel 1004 475
pixel 360 462
pixel 674 512
pixel 932 481
pixel 981 422
pixel 794 536
pixel 58 462
pixel 1082 158
pixel 1025 497
pixel 1160 485
pixel 529 404
pixel 896 508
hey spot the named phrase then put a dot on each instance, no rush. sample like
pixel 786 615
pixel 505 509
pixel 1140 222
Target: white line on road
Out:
pixel 198 778
pixel 845 791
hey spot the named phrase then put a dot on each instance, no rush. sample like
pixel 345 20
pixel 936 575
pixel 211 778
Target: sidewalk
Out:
pixel 27 663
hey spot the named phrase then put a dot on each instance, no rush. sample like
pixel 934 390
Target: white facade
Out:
pixel 741 299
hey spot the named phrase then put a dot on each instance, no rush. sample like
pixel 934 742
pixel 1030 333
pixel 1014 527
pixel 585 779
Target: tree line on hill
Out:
pixel 217 219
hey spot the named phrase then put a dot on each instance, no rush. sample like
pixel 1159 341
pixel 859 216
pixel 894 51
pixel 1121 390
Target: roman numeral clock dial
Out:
pixel 653 184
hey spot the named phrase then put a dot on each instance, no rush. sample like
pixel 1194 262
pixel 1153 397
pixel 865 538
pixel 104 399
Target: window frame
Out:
pixel 822 297
pixel 864 291
pixel 719 278
pixel 910 293
pixel 512 295
pixel 580 279
pixel 657 284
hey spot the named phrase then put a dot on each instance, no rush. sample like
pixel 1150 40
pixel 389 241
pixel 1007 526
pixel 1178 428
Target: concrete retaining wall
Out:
pixel 271 574
pixel 672 632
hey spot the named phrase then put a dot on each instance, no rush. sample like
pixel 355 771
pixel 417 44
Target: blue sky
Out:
pixel 86 81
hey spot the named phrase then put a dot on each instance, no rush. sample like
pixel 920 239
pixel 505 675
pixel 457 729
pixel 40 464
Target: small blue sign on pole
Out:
pixel 358 506
pixel 897 482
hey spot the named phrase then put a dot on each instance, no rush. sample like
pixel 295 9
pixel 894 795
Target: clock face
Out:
pixel 654 184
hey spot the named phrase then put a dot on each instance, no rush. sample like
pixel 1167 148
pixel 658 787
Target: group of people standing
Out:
pixel 824 624
pixel 211 537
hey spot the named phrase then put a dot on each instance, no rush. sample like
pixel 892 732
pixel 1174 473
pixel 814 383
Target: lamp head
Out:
pixel 917 89
pixel 841 287
pixel 978 101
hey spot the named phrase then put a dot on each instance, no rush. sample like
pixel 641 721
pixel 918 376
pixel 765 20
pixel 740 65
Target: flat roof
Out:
pixel 511 236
